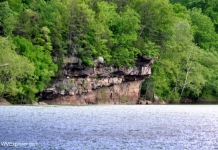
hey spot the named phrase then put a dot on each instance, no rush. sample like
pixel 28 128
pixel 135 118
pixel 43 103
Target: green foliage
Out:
pixel 105 17
pixel 157 20
pixel 202 80
pixel 205 35
pixel 16 5
pixel 181 12
pixel 150 49
pixel 17 72
pixel 180 34
pixel 54 17
pixel 180 72
pixel 208 7
pixel 6 19
pixel 41 58
pixel 124 35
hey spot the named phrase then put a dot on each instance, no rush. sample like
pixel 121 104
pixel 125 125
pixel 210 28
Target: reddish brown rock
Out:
pixel 99 84
pixel 4 102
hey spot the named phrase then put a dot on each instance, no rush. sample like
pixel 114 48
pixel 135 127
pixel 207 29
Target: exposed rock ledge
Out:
pixel 99 84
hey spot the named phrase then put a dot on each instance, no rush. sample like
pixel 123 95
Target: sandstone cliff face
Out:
pixel 99 84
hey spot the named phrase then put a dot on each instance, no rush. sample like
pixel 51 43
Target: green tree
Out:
pixel 181 12
pixel 179 72
pixel 204 30
pixel 79 19
pixel 101 35
pixel 16 6
pixel 208 7
pixel 27 25
pixel 186 60
pixel 45 68
pixel 157 19
pixel 54 19
pixel 17 72
pixel 6 19
pixel 124 35
pixel 210 62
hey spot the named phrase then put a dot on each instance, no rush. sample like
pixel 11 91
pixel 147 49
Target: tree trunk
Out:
pixel 186 78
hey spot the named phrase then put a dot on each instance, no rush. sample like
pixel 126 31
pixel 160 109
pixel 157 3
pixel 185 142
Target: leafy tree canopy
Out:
pixel 181 35
pixel 17 76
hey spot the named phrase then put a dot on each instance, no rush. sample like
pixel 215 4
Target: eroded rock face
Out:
pixel 99 84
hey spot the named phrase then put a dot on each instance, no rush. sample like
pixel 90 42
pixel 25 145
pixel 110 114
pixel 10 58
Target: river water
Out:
pixel 115 127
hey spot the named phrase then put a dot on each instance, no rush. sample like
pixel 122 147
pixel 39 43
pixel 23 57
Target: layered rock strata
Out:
pixel 99 84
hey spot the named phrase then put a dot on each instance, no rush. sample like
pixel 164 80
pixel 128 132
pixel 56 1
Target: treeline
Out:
pixel 36 35
pixel 188 63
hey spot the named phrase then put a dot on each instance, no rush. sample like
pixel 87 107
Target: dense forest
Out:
pixel 37 35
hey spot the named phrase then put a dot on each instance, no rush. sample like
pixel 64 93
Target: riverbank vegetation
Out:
pixel 36 35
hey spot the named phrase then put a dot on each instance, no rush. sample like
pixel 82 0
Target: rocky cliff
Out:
pixel 99 84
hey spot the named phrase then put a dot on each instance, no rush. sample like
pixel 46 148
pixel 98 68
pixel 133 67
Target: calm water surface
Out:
pixel 128 127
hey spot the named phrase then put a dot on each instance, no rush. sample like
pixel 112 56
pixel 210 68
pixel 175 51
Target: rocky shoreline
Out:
pixel 100 84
